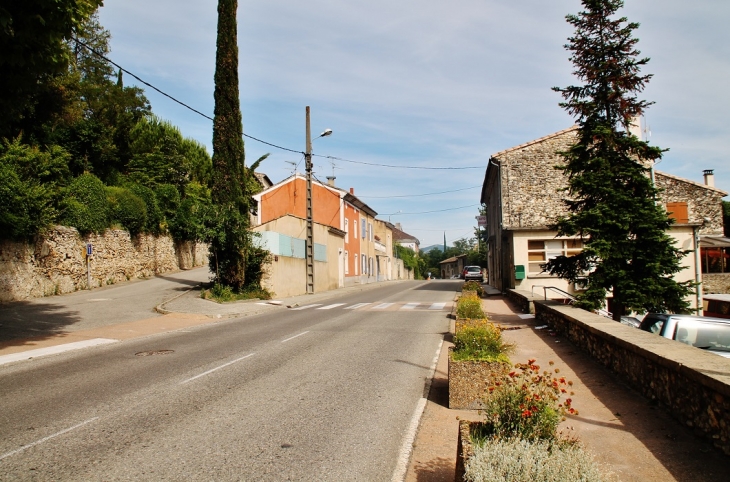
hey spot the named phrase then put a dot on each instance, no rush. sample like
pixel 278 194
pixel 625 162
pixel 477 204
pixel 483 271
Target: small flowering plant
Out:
pixel 527 403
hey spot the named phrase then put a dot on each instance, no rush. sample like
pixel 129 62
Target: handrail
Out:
pixel 572 298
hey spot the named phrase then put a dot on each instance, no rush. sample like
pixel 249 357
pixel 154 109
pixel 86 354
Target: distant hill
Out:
pixel 433 246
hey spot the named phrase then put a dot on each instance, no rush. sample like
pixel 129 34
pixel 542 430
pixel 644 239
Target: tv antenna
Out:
pixel 294 166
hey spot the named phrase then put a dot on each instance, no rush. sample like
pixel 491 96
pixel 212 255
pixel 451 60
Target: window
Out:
pixel 678 211
pixel 347 230
pixel 355 259
pixel 364 228
pixel 370 231
pixel 540 251
pixel 347 262
pixel 364 264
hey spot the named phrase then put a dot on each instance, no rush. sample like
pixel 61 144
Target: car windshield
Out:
pixel 473 269
pixel 710 336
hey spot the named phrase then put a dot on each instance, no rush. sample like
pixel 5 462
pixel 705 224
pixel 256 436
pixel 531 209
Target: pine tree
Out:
pixel 230 238
pixel 611 198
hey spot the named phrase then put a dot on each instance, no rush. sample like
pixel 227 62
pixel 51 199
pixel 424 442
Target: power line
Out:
pixel 418 195
pixel 436 211
pixel 102 56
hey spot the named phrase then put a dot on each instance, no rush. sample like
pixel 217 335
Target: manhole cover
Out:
pixel 154 352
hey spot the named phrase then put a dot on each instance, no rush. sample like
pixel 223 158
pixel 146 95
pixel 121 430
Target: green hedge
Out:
pixel 126 209
pixel 85 205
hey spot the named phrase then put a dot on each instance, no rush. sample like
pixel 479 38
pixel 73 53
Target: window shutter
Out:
pixel 678 211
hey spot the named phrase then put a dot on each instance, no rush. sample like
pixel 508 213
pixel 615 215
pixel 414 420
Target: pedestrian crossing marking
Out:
pixel 437 306
pixel 329 307
pixel 359 305
pixel 306 306
pixel 383 306
pixel 410 306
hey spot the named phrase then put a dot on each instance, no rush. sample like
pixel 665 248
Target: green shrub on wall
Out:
pixel 85 205
pixel 168 200
pixel 126 209
pixel 154 215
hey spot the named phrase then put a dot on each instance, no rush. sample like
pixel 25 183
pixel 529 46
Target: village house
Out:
pixel 523 195
pixel 347 249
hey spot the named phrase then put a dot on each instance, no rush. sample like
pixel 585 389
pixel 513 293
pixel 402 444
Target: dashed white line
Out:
pixel 295 336
pixel 217 368
pixel 45 439
pixel 329 307
pixel 53 350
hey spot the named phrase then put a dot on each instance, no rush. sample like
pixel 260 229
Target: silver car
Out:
pixel 711 334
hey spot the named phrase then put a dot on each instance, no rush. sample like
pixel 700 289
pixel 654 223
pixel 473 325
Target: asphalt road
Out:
pixel 317 393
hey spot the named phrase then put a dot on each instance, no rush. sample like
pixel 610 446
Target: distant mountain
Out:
pixel 433 246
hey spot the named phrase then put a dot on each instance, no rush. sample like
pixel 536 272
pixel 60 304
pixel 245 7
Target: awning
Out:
pixel 707 241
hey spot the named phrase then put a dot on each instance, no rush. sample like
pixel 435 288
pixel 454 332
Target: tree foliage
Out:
pixel 611 199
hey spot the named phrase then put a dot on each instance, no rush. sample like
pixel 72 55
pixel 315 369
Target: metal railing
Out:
pixel 565 295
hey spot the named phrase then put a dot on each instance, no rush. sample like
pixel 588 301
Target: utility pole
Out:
pixel 310 222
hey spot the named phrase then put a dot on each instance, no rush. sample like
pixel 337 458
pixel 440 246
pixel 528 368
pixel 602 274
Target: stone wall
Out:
pixel 690 384
pixel 716 282
pixel 703 202
pixel 56 263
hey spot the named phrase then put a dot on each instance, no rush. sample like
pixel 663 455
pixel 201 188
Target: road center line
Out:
pixel 291 338
pixel 45 439
pixel 217 368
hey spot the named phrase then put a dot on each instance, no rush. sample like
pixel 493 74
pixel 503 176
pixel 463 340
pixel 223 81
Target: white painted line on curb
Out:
pixel 306 306
pixel 215 369
pixel 359 305
pixel 45 439
pixel 53 350
pixel 329 307
pixel 404 457
pixel 295 336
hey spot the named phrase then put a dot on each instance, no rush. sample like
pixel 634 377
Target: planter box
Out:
pixel 469 380
pixel 464 448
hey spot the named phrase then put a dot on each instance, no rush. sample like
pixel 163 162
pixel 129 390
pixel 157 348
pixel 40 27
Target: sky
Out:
pixel 421 84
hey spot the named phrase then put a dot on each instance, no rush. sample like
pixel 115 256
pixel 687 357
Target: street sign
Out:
pixel 89 249
pixel 482 220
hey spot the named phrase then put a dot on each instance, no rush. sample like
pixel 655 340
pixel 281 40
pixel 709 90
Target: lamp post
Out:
pixel 393 214
pixel 310 222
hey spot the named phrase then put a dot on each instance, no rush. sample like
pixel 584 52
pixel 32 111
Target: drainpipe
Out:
pixel 698 269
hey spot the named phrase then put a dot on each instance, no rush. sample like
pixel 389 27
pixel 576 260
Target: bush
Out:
pixel 154 215
pixel 482 342
pixel 168 200
pixel 126 209
pixel 469 305
pixel 526 404
pixel 519 460
pixel 85 205
pixel 473 286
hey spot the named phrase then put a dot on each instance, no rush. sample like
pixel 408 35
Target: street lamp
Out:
pixel 393 214
pixel 310 222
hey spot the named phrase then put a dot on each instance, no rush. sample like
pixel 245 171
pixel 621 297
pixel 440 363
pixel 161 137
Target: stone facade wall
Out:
pixel 702 201
pixel 716 282
pixel 56 263
pixel 690 384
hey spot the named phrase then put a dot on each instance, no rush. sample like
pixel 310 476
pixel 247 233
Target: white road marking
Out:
pixel 217 368
pixel 359 305
pixel 437 306
pixel 526 316
pixel 295 336
pixel 306 306
pixel 401 468
pixel 45 439
pixel 53 350
pixel 410 306
pixel 329 307
pixel 382 306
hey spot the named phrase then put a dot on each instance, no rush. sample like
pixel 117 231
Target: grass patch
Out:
pixel 224 294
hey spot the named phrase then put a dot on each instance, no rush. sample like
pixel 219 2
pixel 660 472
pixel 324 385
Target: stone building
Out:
pixel 523 194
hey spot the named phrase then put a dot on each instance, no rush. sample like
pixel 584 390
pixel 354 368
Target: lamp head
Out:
pixel 326 133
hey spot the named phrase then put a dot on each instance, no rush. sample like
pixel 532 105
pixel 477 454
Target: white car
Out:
pixel 711 334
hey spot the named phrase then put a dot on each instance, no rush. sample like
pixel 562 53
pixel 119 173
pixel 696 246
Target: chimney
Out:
pixel 352 191
pixel 709 177
pixel 331 181
pixel 635 126
pixel 398 227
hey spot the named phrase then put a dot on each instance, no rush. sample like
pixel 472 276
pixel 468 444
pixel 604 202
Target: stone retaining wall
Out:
pixel 716 282
pixel 692 385
pixel 523 299
pixel 56 263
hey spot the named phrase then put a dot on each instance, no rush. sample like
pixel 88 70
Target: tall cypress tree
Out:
pixel 611 198
pixel 230 238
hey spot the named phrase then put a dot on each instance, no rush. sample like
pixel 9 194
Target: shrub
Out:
pixel 526 404
pixel 154 215
pixel 519 460
pixel 481 342
pixel 85 205
pixel 473 286
pixel 469 305
pixel 127 209
pixel 168 200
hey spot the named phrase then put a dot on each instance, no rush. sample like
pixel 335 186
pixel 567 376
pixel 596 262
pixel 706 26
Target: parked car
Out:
pixel 711 334
pixel 631 321
pixel 473 273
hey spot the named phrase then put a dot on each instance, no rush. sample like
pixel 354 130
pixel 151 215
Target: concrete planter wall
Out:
pixel 464 448
pixel 469 381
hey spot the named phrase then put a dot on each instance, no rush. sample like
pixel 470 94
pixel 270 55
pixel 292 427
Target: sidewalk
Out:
pixel 628 436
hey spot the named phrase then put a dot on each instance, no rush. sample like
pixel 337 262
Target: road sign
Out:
pixel 89 249
pixel 482 220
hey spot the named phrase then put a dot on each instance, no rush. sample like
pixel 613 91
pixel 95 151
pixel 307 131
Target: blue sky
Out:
pixel 422 83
